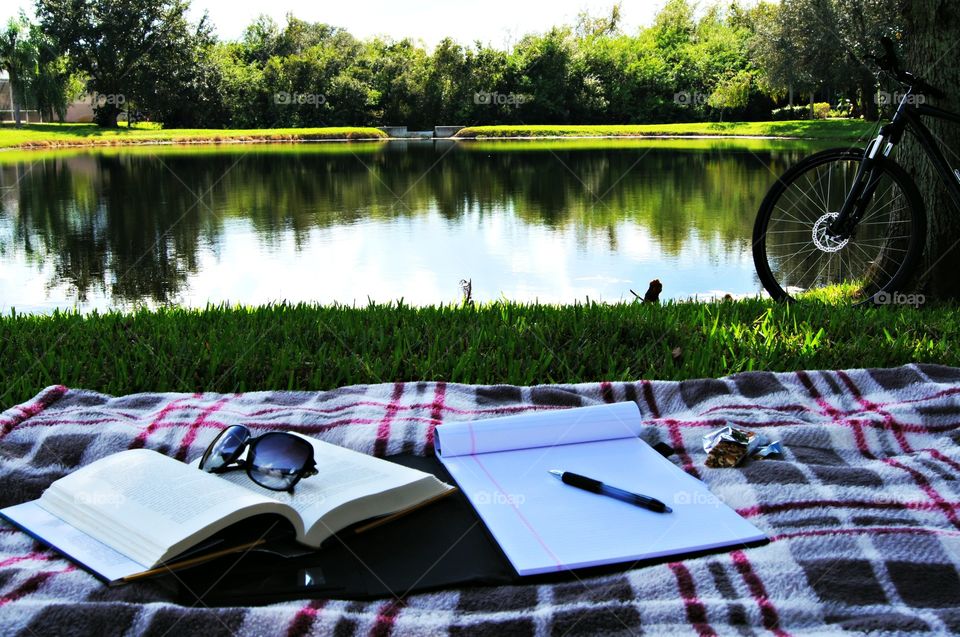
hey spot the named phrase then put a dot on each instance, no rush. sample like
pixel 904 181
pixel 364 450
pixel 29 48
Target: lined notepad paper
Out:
pixel 545 526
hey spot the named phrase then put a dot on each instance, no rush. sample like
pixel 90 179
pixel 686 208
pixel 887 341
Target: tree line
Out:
pixel 144 58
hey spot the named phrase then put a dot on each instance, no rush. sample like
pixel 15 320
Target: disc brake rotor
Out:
pixel 821 239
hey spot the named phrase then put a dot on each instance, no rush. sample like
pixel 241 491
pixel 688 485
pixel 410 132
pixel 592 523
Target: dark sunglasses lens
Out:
pixel 277 459
pixel 225 447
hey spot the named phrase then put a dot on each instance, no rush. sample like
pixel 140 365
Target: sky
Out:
pixel 496 22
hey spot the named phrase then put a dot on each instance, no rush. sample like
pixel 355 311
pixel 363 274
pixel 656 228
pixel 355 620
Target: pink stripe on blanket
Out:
pixel 866 530
pixel 436 413
pixel 606 392
pixel 32 584
pixel 36 555
pixel 924 484
pixel 199 422
pixel 676 441
pixel 842 504
pixel 212 424
pixel 944 459
pixel 141 438
pixel 771 620
pixel 304 619
pixel 825 408
pixel 29 410
pixel 696 613
pixel 387 617
pixel 383 405
pixel 890 422
pixel 383 431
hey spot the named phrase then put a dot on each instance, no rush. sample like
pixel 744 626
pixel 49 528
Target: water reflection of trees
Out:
pixel 130 226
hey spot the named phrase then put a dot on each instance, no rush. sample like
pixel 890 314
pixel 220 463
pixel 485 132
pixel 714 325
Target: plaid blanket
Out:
pixel 863 509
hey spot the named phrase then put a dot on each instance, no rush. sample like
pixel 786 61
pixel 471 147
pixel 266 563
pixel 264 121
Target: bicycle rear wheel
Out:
pixel 794 255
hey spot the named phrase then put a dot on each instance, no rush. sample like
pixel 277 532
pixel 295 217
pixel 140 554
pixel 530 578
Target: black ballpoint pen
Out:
pixel 595 486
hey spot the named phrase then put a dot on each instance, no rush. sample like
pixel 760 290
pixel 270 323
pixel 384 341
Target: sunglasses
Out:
pixel 275 460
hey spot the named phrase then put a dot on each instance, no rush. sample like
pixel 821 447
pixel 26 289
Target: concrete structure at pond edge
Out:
pixel 401 132
pixel 446 131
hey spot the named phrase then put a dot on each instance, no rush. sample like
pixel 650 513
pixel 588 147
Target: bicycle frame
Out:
pixel 907 117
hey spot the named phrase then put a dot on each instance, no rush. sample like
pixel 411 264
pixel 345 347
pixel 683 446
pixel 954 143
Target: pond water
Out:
pixel 555 221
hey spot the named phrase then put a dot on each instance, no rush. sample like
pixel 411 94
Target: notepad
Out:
pixel 545 526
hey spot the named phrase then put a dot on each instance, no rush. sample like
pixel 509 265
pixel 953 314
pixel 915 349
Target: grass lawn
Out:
pixel 837 129
pixel 40 136
pixel 52 135
pixel 321 347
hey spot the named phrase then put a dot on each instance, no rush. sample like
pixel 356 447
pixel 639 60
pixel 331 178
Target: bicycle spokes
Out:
pixel 801 253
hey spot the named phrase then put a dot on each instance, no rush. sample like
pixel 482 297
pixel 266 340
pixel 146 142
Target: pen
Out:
pixel 595 486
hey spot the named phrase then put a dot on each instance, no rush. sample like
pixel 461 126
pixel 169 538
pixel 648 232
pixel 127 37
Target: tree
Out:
pixel 122 46
pixel 179 83
pixel 398 71
pixel 932 31
pixel 544 65
pixel 856 26
pixel 445 93
pixel 732 92
pixel 789 47
pixel 588 26
pixel 53 86
pixel 18 57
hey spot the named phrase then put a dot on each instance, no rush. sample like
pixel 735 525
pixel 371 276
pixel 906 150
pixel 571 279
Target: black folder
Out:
pixel 442 545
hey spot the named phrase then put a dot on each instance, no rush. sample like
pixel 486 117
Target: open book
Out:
pixel 135 510
pixel 545 526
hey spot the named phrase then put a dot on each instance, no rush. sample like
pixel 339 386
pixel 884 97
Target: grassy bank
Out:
pixel 311 347
pixel 58 135
pixel 40 136
pixel 833 129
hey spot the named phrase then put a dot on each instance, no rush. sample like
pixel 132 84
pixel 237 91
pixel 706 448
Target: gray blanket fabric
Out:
pixel 863 510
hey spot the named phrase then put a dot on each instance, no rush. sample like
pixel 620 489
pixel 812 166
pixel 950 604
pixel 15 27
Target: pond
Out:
pixel 556 221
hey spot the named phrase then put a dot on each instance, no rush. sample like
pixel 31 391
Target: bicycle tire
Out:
pixel 778 285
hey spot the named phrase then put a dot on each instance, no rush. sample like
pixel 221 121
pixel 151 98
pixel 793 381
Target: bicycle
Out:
pixel 850 223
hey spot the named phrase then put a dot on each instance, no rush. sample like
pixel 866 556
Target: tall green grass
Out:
pixel 59 135
pixel 833 129
pixel 317 347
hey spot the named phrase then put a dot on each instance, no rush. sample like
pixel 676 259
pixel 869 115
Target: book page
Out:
pixel 142 503
pixel 93 555
pixel 344 476
pixel 539 429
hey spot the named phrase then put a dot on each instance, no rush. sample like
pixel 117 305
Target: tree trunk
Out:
pixel 105 115
pixel 933 29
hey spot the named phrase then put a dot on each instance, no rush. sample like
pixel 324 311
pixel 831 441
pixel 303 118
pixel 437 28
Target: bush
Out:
pixel 790 113
pixel 844 108
pixel 820 111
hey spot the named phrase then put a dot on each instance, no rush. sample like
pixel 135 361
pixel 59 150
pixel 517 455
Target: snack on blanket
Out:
pixel 729 446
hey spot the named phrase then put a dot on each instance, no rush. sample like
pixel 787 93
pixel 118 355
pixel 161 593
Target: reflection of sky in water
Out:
pixel 314 225
pixel 422 260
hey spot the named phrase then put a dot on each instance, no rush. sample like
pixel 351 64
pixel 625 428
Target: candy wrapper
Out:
pixel 729 446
